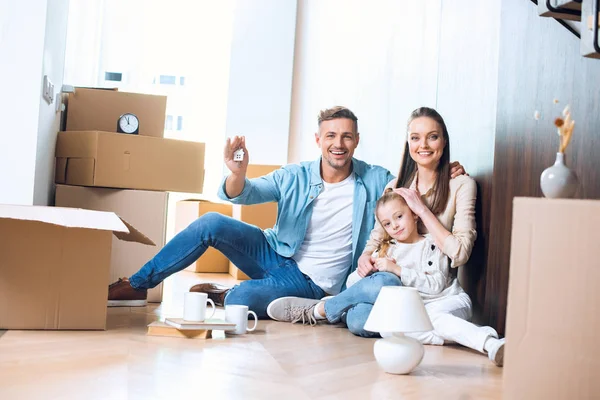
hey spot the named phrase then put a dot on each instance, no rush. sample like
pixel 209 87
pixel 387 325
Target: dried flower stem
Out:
pixel 565 129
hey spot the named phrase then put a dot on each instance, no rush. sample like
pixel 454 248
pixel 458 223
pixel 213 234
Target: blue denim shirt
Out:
pixel 295 186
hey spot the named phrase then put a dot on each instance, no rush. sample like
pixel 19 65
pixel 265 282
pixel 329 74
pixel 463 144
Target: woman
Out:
pixel 446 211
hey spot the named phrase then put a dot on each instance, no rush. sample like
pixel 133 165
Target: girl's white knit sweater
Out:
pixel 423 266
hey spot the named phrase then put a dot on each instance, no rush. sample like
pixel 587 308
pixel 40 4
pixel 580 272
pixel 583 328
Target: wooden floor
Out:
pixel 278 361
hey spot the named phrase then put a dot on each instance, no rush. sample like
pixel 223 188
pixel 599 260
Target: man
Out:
pixel 325 216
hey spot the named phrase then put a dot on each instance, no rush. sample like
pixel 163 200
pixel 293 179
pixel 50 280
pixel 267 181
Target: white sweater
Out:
pixel 458 218
pixel 423 266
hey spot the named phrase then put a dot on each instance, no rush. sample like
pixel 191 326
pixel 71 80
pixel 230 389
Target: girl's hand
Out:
pixel 413 199
pixel 387 265
pixel 365 265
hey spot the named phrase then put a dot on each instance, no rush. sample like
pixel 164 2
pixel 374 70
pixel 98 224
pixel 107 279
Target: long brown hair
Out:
pixel 388 195
pixel 408 168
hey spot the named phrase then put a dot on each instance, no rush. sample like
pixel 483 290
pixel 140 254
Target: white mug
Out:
pixel 238 314
pixel 194 306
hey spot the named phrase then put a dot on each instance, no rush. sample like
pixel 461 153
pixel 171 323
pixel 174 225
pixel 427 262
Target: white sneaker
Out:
pixel 490 331
pixel 496 352
pixel 293 309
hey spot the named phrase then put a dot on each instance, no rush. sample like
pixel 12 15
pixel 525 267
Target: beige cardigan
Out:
pixel 458 218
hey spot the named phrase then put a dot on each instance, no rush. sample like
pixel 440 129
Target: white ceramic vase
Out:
pixel 559 181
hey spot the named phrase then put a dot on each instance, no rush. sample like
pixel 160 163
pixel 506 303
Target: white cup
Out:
pixel 194 306
pixel 238 315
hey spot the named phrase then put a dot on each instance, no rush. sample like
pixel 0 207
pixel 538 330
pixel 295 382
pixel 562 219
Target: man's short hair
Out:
pixel 335 113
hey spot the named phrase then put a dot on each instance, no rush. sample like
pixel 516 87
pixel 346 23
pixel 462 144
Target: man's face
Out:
pixel 337 139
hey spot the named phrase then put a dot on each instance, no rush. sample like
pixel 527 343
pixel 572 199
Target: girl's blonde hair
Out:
pixel 388 195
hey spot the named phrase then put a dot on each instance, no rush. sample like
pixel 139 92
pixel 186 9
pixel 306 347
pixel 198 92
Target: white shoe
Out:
pixel 496 352
pixel 490 331
pixel 293 309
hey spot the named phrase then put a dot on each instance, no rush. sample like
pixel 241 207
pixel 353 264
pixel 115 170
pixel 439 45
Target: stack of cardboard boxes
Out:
pixel 261 215
pixel 56 263
pixel 110 219
pixel 99 169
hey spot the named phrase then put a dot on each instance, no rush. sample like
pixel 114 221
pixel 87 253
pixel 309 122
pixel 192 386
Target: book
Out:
pixel 158 328
pixel 212 324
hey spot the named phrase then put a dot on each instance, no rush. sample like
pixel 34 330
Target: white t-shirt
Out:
pixel 326 253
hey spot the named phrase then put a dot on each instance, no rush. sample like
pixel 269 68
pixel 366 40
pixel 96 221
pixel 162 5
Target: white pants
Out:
pixel 450 318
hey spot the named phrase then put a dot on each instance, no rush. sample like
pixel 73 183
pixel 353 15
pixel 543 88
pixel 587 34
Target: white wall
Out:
pixel 22 31
pixel 260 78
pixel 380 59
pixel 49 118
pixel 468 82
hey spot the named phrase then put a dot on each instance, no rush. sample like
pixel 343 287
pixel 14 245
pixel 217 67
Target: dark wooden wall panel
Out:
pixel 539 61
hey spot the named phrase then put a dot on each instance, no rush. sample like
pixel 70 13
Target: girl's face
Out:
pixel 426 142
pixel 398 221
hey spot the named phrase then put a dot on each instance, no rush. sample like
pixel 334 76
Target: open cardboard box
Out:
pixel 54 266
pixel 146 210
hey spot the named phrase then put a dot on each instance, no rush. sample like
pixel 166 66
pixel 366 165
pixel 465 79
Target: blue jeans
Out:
pixel 273 276
pixel 354 304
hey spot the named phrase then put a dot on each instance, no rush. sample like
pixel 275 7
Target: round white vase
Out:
pixel 559 181
pixel 398 354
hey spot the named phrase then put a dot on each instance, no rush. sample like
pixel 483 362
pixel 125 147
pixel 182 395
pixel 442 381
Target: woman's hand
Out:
pixel 457 170
pixel 365 265
pixel 413 199
pixel 387 265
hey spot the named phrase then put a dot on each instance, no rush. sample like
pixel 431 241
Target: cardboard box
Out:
pixel 54 265
pixel 262 215
pixel 236 273
pixel 145 210
pixel 188 211
pixel 114 160
pixel 553 300
pixel 91 109
pixel 257 170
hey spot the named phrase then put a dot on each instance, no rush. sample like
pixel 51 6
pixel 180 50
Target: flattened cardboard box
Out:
pixel 187 211
pixel 552 321
pixel 90 109
pixel 262 215
pixel 54 265
pixel 113 160
pixel 146 210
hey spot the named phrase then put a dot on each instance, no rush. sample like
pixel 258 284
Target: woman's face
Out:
pixel 425 142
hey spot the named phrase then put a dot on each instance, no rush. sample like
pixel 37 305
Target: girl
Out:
pixel 420 264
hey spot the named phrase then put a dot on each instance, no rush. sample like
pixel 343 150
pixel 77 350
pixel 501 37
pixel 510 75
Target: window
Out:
pixel 196 80
pixel 113 76
pixel 167 79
